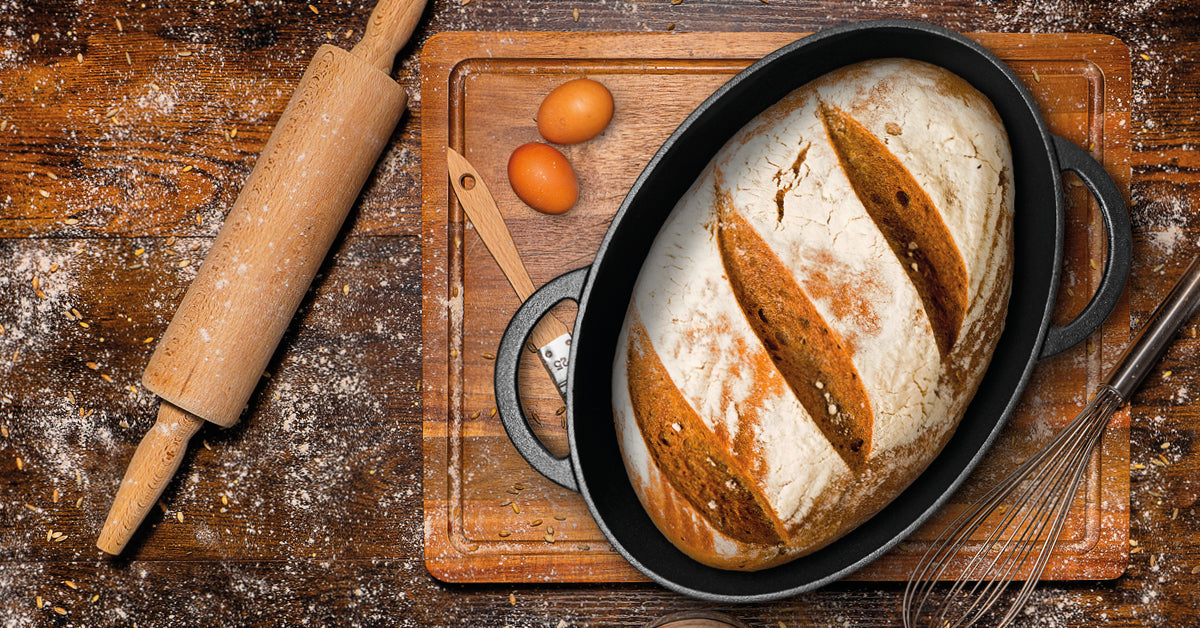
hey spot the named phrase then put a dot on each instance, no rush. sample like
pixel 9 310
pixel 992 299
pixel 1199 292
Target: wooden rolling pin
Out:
pixel 274 239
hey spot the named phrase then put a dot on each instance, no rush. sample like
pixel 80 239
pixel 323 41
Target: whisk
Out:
pixel 1038 495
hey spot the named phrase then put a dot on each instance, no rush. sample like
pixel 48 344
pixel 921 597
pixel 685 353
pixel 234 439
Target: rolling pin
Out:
pixel 218 344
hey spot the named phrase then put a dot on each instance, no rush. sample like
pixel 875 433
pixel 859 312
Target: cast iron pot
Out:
pixel 594 466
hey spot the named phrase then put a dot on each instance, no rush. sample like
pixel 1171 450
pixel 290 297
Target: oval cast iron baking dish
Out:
pixel 594 466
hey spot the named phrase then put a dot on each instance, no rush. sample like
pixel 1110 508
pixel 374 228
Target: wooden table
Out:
pixel 125 134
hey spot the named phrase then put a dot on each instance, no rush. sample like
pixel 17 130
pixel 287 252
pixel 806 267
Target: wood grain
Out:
pixel 479 89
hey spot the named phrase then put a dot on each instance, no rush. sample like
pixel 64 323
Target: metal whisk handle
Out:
pixel 1156 334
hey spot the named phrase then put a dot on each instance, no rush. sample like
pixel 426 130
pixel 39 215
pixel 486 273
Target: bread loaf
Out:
pixel 816 313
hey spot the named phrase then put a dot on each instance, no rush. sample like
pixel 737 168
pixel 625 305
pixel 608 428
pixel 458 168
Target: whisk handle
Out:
pixel 1154 338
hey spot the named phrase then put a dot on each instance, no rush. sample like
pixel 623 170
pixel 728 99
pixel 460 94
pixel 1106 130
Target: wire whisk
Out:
pixel 1032 503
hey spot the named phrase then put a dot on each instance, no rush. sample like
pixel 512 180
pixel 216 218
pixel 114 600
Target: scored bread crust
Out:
pixel 816 313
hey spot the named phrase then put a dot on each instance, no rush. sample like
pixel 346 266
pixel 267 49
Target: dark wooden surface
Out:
pixel 297 515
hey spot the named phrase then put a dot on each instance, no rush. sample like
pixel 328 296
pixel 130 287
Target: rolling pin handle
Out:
pixel 154 463
pixel 391 23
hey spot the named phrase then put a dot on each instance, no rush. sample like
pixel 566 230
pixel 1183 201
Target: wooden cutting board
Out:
pixel 488 516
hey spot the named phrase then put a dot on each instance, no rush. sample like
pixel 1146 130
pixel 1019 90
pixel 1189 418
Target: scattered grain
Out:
pixel 40 601
pixel 60 610
pixel 70 584
pixel 36 37
pixel 535 523
pixel 575 14
pixel 185 53
pixel 54 496
pixel 179 516
pixel 504 534
pixel 489 356
pixel 120 29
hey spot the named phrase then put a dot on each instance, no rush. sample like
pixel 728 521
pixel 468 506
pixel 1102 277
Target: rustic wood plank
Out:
pixel 342 401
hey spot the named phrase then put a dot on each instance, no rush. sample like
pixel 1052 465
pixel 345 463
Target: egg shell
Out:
pixel 542 177
pixel 575 112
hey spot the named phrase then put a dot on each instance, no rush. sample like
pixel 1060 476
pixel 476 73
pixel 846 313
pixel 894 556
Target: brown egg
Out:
pixel 543 178
pixel 575 112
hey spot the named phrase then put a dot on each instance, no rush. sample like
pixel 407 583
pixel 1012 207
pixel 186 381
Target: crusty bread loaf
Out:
pixel 816 313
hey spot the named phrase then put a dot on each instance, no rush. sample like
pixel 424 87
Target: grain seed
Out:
pixel 504 534
pixel 1166 374
pixel 128 60
pixel 549 538
pixel 4 431
pixel 44 193
pixel 474 415
pixel 489 356
pixel 575 14
pixel 1164 445
pixel 515 509
pixel 84 325
pixel 493 413
pixel 54 496
pixel 224 500
pixel 95 597
pixel 1145 57
pixel 559 518
pixel 70 584
pixel 314 10
pixel 185 53
pixel 206 445
pixel 346 288
pixel 535 523
pixel 232 133
pixel 187 168
pixel 93 366
pixel 1196 569
pixel 60 610
pixel 106 377
pixel 179 515
pixel 20 465
pixel 506 504
pixel 40 602
pixel 79 502
pixel 120 29
pixel 1 330
pixel 36 37
pixel 512 599
pixel 1174 513
pixel 1037 77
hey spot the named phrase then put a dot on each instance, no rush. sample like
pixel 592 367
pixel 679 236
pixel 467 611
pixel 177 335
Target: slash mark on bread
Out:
pixel 686 452
pixel 812 357
pixel 908 220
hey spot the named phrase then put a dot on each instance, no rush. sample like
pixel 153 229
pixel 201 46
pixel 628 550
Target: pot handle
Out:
pixel 1118 244
pixel 508 357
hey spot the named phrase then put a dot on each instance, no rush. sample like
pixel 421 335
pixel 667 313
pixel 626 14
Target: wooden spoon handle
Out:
pixel 391 23
pixel 154 463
